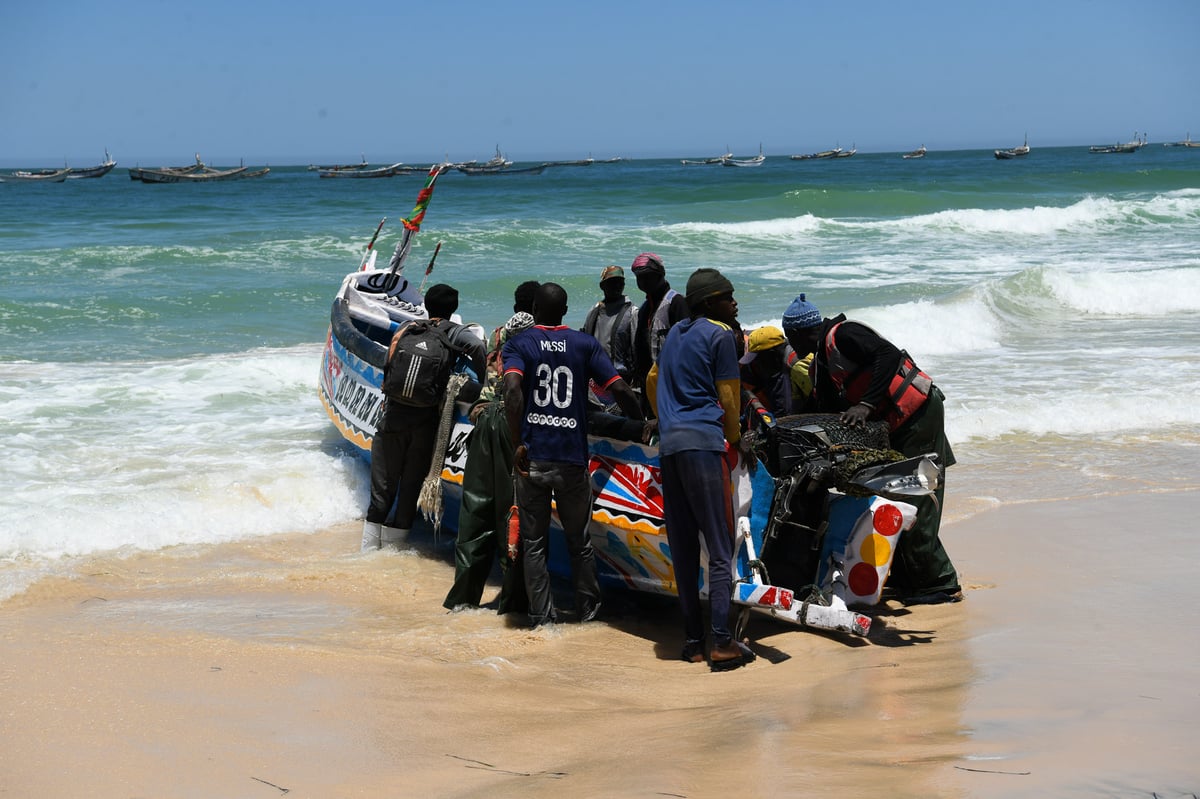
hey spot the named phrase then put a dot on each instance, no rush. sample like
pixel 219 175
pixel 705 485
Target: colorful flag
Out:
pixel 413 222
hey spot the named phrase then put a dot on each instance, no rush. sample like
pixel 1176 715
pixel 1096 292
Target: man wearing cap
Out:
pixel 546 373
pixel 695 390
pixel 773 374
pixel 402 447
pixel 864 376
pixel 663 308
pixel 613 321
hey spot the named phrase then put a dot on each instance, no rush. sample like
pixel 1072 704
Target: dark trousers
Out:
pixel 697 502
pixel 482 517
pixel 571 490
pixel 921 565
pixel 401 452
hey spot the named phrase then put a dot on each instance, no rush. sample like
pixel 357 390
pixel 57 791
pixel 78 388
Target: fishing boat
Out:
pixel 847 153
pixel 818 155
pixel 1013 152
pixel 716 159
pixel 135 173
pixel 506 170
pixel 917 153
pixel 1125 148
pixel 363 172
pixel 755 161
pixel 203 175
pixel 497 163
pixel 1187 142
pixel 338 167
pixel 98 171
pixel 580 162
pixel 36 176
pixel 785 544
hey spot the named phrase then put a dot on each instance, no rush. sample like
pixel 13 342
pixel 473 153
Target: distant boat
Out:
pixel 717 159
pixel 755 161
pixel 358 172
pixel 1187 142
pixel 497 163
pixel 98 171
pixel 506 170
pixel 135 173
pixel 616 159
pixel 847 153
pixel 834 153
pixel 580 162
pixel 338 167
pixel 36 176
pixel 917 153
pixel 1128 147
pixel 1013 152
pixel 205 174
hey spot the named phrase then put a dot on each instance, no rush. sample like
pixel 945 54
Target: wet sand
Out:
pixel 294 666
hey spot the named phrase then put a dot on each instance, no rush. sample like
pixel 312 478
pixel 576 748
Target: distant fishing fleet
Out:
pixel 499 164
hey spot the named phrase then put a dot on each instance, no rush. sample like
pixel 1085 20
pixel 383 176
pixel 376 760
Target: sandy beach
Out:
pixel 294 666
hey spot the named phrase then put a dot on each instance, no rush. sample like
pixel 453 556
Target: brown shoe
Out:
pixel 693 652
pixel 731 655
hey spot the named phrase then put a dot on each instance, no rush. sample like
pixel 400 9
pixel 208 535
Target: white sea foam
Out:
pixel 1150 292
pixel 107 456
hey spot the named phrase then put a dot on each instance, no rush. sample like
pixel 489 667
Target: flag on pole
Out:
pixel 413 222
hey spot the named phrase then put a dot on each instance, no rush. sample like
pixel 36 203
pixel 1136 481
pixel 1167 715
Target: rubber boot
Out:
pixel 392 537
pixel 370 539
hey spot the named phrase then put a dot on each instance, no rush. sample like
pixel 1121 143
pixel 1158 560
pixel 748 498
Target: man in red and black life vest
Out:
pixel 402 447
pixel 863 376
pixel 546 372
pixel 663 308
pixel 487 483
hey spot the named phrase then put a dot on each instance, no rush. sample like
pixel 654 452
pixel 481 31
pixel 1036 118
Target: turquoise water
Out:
pixel 159 344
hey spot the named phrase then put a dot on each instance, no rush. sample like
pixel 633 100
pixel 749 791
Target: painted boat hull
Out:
pixel 627 528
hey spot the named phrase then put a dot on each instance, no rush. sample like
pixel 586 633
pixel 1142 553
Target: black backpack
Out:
pixel 417 373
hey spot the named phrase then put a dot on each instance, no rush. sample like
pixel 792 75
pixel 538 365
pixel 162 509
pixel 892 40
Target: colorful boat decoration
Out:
pixel 866 514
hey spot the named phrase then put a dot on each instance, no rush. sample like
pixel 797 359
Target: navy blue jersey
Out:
pixel 555 364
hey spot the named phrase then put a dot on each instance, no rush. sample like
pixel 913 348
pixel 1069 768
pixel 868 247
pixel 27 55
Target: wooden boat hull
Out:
pixel 42 176
pixel 238 173
pixel 98 171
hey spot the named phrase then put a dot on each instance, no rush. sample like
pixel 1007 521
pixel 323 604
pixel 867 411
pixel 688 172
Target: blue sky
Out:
pixel 296 82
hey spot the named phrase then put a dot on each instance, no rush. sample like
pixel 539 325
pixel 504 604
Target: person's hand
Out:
pixel 475 412
pixel 648 430
pixel 521 460
pixel 745 447
pixel 855 416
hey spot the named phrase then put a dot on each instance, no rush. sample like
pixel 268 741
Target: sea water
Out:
pixel 160 344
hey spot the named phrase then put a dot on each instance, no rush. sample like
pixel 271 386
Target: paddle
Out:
pixel 429 268
pixel 370 244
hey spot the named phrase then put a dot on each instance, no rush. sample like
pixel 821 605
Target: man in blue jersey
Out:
pixel 695 390
pixel 546 373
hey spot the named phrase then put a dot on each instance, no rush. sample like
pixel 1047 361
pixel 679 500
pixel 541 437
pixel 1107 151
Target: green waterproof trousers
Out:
pixel 921 566
pixel 482 534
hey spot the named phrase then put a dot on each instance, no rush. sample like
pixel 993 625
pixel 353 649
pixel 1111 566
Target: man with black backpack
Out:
pixel 421 358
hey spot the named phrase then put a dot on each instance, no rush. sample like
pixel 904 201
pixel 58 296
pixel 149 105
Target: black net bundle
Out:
pixel 825 447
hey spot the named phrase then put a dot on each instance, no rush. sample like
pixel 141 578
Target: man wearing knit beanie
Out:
pixel 861 375
pixel 696 391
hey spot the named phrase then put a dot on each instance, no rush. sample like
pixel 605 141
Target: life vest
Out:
pixel 908 391
pixel 659 324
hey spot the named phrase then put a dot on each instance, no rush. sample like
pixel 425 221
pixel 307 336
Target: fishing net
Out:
pixel 828 451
